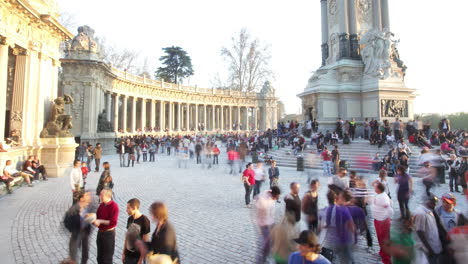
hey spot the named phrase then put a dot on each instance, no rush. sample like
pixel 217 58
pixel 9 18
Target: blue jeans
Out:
pixel 257 186
pixel 248 191
pixel 265 244
pixel 345 254
pixel 327 167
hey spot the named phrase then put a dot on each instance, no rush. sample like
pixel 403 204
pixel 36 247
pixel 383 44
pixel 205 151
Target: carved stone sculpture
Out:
pixel 59 124
pixel 394 108
pixel 267 89
pixel 84 45
pixel 103 124
pixel 376 53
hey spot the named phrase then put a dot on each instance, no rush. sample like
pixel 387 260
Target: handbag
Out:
pixel 328 254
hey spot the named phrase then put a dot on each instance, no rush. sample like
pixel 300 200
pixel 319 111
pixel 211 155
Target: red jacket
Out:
pixel 250 174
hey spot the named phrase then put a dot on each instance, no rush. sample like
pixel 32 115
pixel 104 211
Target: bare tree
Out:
pixel 123 59
pixel 248 62
pixel 281 110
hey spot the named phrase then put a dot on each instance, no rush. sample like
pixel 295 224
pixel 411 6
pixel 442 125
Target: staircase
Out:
pixel 358 154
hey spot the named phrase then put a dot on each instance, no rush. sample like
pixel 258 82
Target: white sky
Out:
pixel 433 41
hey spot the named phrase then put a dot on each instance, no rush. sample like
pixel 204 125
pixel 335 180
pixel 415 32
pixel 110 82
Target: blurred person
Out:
pixel 382 212
pixel 84 172
pixel 428 242
pixel 260 176
pixel 107 216
pixel 310 205
pixel 163 240
pixel 273 174
pixel 401 244
pixel 216 152
pixel 439 163
pixel 152 151
pixel 248 179
pixel 131 255
pixel 335 159
pixel 341 180
pixel 309 250
pixel 427 173
pixel 282 235
pixel 383 179
pixel 326 161
pixel 77 222
pixel 337 224
pixel 76 180
pixel 405 188
pixel 28 168
pixel 104 175
pixel 265 217
pixel 459 243
pixel 293 201
pixel 39 168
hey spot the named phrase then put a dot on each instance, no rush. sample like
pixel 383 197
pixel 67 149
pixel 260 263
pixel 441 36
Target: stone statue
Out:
pixel 60 123
pixel 376 53
pixel 84 45
pixel 103 124
pixel 267 89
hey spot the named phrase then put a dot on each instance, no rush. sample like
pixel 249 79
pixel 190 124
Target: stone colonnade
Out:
pixel 132 114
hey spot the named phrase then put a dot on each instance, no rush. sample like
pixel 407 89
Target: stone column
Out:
pixel 161 116
pixel 385 15
pixel 238 117
pixel 108 107
pixel 196 117
pixel 134 102
pixel 171 116
pixel 254 118
pixel 213 118
pixel 222 118
pixel 344 28
pixel 153 115
pixel 116 113
pixel 187 117
pixel 205 120
pixel 3 85
pixel 324 9
pixel 353 36
pixel 178 117
pixel 143 114
pixel 377 15
pixel 230 118
pixel 17 105
pixel 125 113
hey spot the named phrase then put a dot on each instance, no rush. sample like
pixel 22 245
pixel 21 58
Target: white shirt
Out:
pixel 382 207
pixel 424 221
pixel 259 174
pixel 76 178
pixel 10 169
pixel 265 209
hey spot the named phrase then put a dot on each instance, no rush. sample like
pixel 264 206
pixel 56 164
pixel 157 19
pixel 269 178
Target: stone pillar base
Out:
pixel 57 155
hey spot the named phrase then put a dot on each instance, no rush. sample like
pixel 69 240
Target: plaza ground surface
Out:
pixel 206 206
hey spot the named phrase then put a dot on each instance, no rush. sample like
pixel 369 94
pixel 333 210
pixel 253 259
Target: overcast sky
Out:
pixel 433 41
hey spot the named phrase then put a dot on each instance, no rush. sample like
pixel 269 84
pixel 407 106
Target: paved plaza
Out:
pixel 205 205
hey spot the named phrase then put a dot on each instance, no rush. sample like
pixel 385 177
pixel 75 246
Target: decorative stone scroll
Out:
pixel 394 108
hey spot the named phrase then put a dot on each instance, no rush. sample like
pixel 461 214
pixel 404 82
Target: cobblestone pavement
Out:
pixel 206 206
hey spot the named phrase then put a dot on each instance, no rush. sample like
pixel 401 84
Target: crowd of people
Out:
pixel 31 171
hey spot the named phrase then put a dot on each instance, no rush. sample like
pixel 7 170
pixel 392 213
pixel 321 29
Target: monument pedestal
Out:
pixel 57 155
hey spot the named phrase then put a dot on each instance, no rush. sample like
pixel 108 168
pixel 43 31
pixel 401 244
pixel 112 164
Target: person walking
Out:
pixel 216 152
pixel 107 215
pixel 282 239
pixel 273 174
pixel 310 205
pixel 405 188
pixel 248 178
pixel 89 154
pixel 76 180
pixel 427 234
pixel 76 221
pixel 265 211
pixel 382 212
pixel 104 175
pixel 260 177
pixel 130 254
pixel 97 156
pixel 293 201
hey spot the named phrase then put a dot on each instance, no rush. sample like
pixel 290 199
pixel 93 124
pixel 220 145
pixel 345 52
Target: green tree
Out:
pixel 177 65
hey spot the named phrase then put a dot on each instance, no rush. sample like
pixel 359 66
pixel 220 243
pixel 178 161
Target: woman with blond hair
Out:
pixel 163 240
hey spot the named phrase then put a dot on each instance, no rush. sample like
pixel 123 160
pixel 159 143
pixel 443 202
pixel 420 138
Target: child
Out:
pixel 84 172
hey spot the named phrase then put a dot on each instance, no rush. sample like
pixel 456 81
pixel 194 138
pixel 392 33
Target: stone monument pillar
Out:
pixel 362 75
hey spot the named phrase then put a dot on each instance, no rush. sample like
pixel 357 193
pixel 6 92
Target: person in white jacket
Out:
pixel 382 212
pixel 76 179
